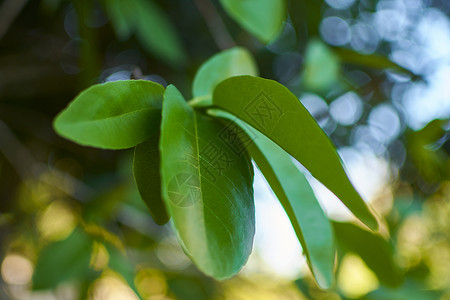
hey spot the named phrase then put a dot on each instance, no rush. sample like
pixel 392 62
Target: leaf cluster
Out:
pixel 192 159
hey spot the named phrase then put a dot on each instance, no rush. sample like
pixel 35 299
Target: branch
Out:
pixel 9 10
pixel 26 166
pixel 215 24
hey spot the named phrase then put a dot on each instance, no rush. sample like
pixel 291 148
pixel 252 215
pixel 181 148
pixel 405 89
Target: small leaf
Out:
pixel 372 248
pixel 374 61
pixel 273 110
pixel 426 152
pixel 121 15
pixel 207 187
pixel 156 32
pixel 411 289
pixel 150 25
pixel 119 263
pixel 188 287
pixel 113 115
pixel 147 177
pixel 262 18
pixel 228 63
pixel 63 260
pixel 322 67
pixel 312 227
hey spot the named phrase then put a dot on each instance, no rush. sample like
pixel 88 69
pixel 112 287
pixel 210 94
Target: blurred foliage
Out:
pixel 72 225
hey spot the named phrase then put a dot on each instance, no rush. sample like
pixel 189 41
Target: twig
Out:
pixel 9 10
pixel 26 166
pixel 215 24
pixel 13 150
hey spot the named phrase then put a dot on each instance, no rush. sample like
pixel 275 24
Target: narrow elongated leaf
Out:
pixel 207 187
pixel 273 110
pixel 262 18
pixel 311 226
pixel 63 260
pixel 372 248
pixel 113 115
pixel 146 174
pixel 228 63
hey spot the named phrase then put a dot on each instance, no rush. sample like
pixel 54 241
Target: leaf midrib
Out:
pixel 84 122
pixel 204 206
pixel 200 180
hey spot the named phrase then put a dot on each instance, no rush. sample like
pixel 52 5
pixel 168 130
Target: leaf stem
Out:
pixel 202 101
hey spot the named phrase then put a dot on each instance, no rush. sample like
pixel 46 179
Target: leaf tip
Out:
pixel 371 222
pixel 325 282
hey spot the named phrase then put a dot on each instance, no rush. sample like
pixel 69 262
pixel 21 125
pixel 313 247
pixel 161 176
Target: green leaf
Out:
pixel 63 260
pixel 185 287
pixel 273 110
pixel 411 289
pixel 312 227
pixel 147 177
pixel 232 62
pixel 121 15
pixel 151 26
pixel 119 263
pixel 113 115
pixel 372 248
pixel 156 32
pixel 322 67
pixel 426 151
pixel 262 18
pixel 306 16
pixel 207 187
pixel 374 61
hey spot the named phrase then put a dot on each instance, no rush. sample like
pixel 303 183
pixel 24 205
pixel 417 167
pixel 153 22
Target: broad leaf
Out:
pixel 228 63
pixel 113 115
pixel 207 187
pixel 146 174
pixel 63 260
pixel 372 248
pixel 262 18
pixel 311 226
pixel 273 110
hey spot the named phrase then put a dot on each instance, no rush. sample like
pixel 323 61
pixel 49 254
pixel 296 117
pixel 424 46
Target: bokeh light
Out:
pixel 16 269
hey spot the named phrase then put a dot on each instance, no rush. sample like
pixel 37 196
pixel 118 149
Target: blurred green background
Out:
pixel 374 74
